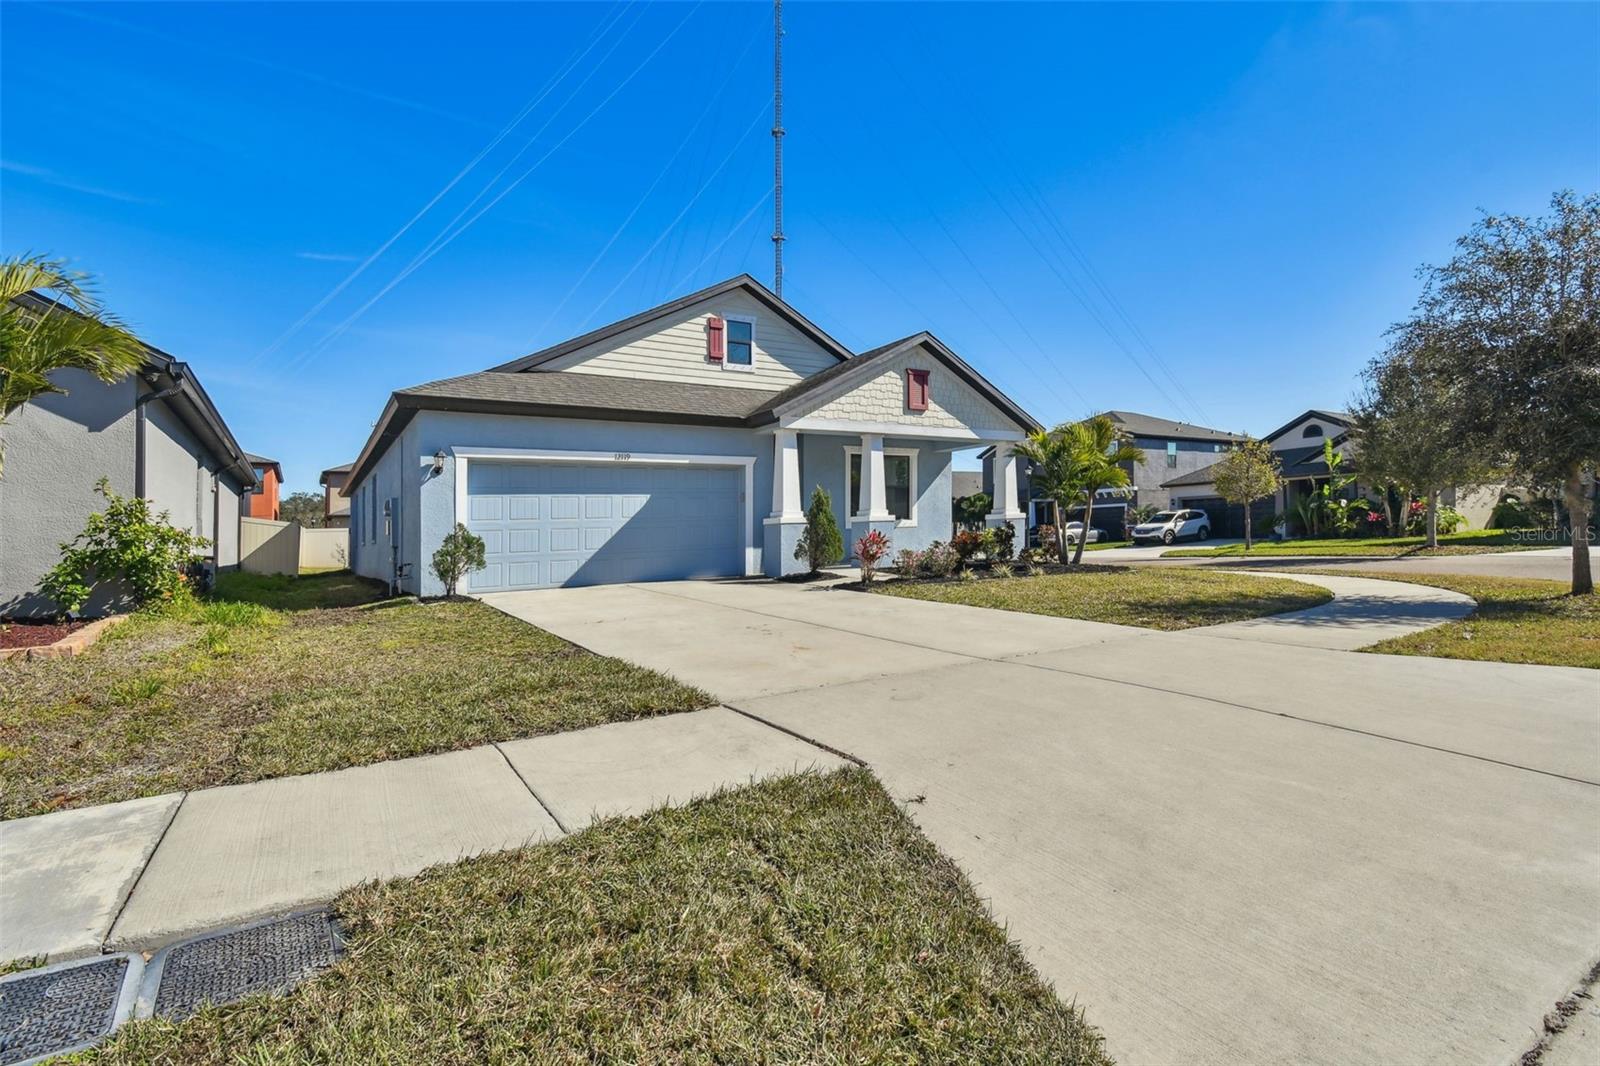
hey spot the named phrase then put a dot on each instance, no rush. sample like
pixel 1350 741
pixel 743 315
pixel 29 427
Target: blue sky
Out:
pixel 1208 212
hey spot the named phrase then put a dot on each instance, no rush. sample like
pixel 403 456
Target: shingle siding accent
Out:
pixel 952 403
pixel 675 350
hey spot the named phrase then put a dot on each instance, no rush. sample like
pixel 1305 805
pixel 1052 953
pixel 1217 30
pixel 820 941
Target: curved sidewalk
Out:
pixel 1363 611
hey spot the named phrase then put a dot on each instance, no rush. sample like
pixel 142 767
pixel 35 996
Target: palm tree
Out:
pixel 1057 473
pixel 40 336
pixel 1102 450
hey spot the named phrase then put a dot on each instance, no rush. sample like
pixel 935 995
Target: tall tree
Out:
pixel 72 332
pixel 305 508
pixel 1409 434
pixel 1509 329
pixel 1103 449
pixel 1248 473
pixel 1057 473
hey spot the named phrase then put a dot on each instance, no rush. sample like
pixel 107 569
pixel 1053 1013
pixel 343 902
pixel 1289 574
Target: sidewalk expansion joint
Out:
pixel 813 741
pixel 554 817
pixel 148 859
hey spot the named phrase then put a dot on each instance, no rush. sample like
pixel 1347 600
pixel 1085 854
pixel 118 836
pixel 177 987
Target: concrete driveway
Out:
pixel 1227 848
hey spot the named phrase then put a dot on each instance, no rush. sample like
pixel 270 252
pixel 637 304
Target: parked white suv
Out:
pixel 1168 526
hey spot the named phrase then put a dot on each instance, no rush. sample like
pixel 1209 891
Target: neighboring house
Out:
pixel 262 502
pixel 1171 449
pixel 154 434
pixel 1299 447
pixel 965 483
pixel 680 442
pixel 335 505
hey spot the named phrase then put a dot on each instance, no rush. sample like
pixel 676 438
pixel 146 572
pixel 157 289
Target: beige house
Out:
pixel 335 507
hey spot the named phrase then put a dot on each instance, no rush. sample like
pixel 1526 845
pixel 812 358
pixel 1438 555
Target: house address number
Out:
pixel 622 457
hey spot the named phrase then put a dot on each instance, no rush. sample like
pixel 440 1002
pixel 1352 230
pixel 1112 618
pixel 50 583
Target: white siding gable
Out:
pixel 674 349
pixel 952 403
pixel 1294 436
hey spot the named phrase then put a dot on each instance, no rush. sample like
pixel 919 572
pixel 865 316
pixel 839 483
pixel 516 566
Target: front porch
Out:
pixel 881 478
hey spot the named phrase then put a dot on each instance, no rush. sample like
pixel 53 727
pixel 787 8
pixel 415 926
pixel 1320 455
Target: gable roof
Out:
pixel 742 282
pixel 789 399
pixel 333 471
pixel 1338 418
pixel 261 460
pixel 1296 463
pixel 1141 425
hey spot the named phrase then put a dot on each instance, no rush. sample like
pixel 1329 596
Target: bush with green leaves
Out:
pixel 459 554
pixel 939 560
pixel 821 544
pixel 142 552
pixel 1004 541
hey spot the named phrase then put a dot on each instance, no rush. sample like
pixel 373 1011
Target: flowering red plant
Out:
pixel 870 550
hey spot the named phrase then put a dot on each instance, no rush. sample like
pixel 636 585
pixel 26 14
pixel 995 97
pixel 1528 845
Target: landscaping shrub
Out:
pixel 1004 539
pixel 1511 513
pixel 459 554
pixel 144 552
pixel 939 560
pixel 870 551
pixel 821 544
pixel 908 561
pixel 967 543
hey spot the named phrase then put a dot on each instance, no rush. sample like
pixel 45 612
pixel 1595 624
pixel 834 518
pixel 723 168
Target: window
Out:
pixel 1312 430
pixel 916 390
pixel 899 477
pixel 261 481
pixel 1172 453
pixel 741 344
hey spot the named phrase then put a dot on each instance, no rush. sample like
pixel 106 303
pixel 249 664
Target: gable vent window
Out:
pixel 741 343
pixel 1312 430
pixel 917 390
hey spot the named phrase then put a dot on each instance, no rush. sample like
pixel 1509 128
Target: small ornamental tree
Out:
pixel 1248 473
pixel 870 550
pixel 145 553
pixel 459 554
pixel 970 510
pixel 821 544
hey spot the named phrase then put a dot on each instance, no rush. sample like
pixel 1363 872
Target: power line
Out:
pixel 679 216
pixel 726 237
pixel 711 102
pixel 440 244
pixel 526 109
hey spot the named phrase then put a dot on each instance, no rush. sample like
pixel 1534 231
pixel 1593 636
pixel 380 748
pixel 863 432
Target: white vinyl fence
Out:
pixel 267 547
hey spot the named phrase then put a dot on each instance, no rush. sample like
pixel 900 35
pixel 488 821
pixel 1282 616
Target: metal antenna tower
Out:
pixel 777 147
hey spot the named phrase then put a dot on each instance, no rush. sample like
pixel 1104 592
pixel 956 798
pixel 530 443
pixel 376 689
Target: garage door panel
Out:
pixel 549 524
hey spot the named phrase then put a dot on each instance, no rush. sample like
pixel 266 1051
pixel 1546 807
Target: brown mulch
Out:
pixel 24 634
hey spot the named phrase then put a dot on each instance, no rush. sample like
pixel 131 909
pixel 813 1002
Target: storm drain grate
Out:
pixel 270 956
pixel 62 1008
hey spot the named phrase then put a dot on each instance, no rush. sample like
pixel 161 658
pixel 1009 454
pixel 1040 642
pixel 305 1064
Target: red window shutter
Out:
pixel 716 338
pixel 917 390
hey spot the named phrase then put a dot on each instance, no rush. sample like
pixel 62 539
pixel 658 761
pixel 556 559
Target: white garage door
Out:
pixel 548 524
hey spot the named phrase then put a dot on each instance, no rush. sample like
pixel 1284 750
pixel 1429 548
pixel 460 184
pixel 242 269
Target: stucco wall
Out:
pixel 675 350
pixel 229 492
pixel 1294 436
pixel 952 404
pixel 56 448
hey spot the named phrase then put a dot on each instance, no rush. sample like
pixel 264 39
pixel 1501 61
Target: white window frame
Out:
pixel 850 505
pixel 727 344
pixel 752 551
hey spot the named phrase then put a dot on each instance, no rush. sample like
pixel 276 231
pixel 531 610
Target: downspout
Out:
pixel 139 429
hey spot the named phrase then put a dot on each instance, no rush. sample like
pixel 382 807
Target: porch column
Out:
pixel 1004 510
pixel 874 494
pixel 781 529
pixel 786 476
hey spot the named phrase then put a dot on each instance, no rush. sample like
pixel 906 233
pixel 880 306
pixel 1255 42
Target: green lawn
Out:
pixel 1470 542
pixel 289 675
pixel 1156 598
pixel 804 920
pixel 1518 620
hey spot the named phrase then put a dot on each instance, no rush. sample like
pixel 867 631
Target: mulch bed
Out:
pixel 981 572
pixel 25 634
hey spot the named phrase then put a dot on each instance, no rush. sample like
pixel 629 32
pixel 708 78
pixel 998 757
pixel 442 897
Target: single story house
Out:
pixel 335 505
pixel 1298 444
pixel 262 502
pixel 154 434
pixel 684 441
pixel 1171 448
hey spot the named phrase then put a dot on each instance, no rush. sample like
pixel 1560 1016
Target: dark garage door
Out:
pixel 548 524
pixel 1227 519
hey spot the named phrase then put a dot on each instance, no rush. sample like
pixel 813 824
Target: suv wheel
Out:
pixel 1205 534
pixel 1167 537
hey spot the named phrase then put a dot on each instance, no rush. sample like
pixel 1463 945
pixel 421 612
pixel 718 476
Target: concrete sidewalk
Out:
pixel 142 874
